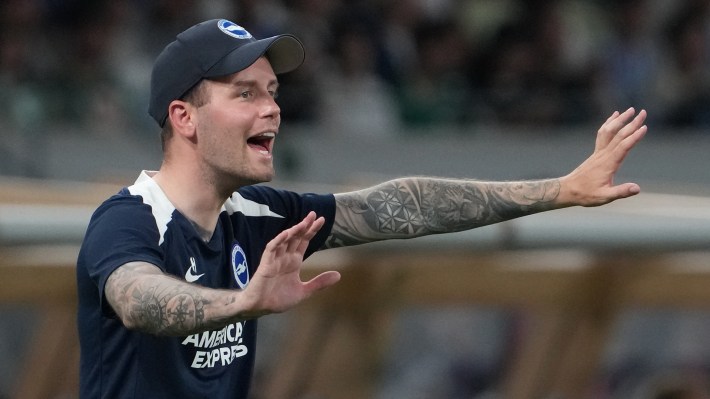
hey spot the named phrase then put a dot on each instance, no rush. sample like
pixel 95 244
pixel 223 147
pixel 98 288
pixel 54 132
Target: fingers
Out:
pixel 632 126
pixel 297 238
pixel 629 141
pixel 277 284
pixel 604 135
pixel 626 139
pixel 593 181
pixel 313 229
pixel 617 127
pixel 302 233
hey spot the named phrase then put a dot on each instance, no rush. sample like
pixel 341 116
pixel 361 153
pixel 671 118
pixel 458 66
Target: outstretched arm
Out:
pixel 146 299
pixel 418 206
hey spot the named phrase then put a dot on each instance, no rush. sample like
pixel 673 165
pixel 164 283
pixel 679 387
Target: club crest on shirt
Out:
pixel 239 266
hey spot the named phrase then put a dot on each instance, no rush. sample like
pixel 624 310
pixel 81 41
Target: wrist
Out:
pixel 569 194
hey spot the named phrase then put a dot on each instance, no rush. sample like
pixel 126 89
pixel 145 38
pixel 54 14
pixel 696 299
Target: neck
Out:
pixel 194 197
pixel 205 235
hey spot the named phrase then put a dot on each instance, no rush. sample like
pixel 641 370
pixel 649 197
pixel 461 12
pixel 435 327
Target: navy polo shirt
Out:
pixel 140 224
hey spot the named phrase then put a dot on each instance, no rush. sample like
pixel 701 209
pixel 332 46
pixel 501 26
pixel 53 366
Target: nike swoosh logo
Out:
pixel 191 278
pixel 190 275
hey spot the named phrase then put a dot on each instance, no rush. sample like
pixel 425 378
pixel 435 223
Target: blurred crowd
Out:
pixel 374 67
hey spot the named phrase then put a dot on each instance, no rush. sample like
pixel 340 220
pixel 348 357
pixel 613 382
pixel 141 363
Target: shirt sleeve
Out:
pixel 292 208
pixel 121 230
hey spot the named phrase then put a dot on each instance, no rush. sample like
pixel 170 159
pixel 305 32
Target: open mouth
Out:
pixel 262 143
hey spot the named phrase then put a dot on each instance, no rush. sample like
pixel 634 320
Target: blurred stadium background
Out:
pixel 610 302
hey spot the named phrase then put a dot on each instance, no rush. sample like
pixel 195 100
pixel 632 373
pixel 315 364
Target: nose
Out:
pixel 269 108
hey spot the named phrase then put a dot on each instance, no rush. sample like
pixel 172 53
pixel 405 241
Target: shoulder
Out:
pixel 256 201
pixel 129 212
pixel 260 200
pixel 122 202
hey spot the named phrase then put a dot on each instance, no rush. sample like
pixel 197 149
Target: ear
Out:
pixel 181 116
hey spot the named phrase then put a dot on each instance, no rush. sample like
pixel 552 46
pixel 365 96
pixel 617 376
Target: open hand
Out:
pixel 276 286
pixel 592 182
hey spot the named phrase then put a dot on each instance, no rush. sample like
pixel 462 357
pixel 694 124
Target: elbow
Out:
pixel 130 322
pixel 135 320
pixel 142 325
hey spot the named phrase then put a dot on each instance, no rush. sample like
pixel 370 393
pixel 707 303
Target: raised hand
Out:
pixel 276 286
pixel 592 182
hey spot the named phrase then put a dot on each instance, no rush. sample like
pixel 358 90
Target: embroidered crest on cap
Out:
pixel 233 29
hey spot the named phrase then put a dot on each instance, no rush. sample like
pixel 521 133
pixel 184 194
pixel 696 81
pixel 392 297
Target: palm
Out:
pixel 593 180
pixel 277 283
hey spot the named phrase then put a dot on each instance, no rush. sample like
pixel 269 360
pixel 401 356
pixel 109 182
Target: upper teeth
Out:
pixel 268 134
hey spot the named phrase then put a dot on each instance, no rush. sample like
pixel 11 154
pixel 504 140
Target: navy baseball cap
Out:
pixel 211 49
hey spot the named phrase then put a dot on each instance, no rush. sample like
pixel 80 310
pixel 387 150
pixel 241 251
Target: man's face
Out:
pixel 237 126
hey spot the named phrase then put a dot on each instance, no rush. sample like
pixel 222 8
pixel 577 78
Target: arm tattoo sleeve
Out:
pixel 158 304
pixel 412 207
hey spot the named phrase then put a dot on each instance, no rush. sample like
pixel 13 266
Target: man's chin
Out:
pixel 267 177
pixel 261 178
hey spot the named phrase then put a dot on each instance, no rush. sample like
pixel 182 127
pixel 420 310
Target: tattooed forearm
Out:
pixel 414 207
pixel 150 301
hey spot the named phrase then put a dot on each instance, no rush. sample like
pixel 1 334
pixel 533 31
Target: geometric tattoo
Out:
pixel 416 206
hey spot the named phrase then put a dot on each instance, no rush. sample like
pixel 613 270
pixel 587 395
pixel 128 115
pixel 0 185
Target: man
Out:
pixel 175 270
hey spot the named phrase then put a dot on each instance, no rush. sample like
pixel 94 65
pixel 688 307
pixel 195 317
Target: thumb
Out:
pixel 628 190
pixel 624 191
pixel 322 281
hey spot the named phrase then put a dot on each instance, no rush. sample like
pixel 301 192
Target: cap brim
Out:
pixel 284 52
